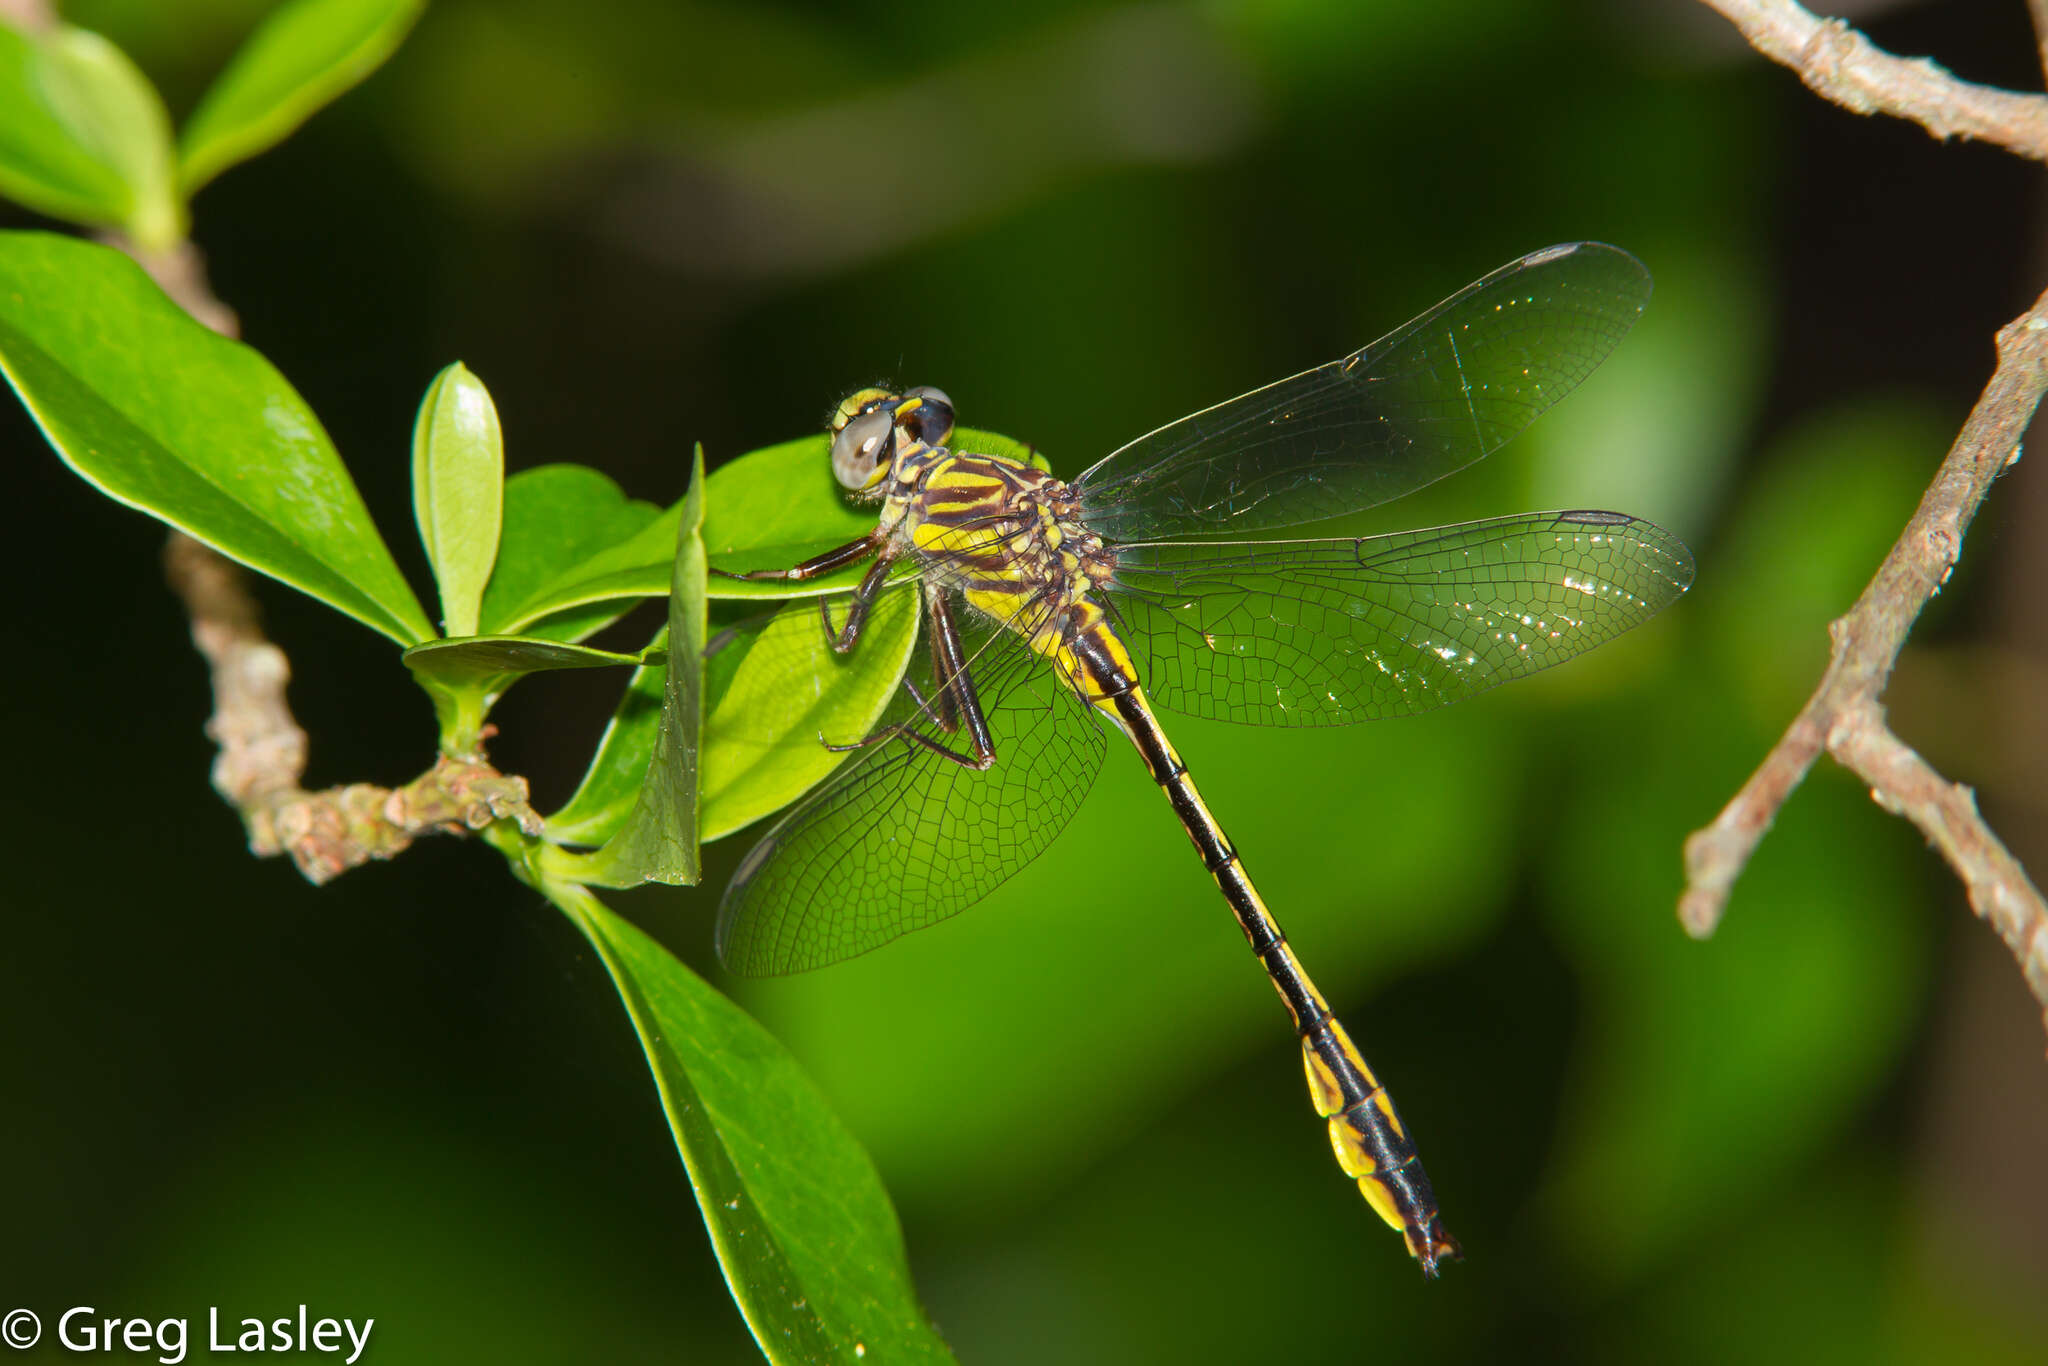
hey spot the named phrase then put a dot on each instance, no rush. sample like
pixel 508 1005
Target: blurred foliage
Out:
pixel 651 223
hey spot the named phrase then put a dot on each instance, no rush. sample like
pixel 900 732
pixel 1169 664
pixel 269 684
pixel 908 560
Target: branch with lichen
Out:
pixel 262 748
pixel 1844 716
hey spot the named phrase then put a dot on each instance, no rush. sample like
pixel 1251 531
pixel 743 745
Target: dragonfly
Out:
pixel 1059 613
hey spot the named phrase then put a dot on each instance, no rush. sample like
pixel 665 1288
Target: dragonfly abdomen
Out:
pixel 1366 1133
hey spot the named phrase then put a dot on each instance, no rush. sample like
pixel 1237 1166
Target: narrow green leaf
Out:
pixel 490 664
pixel 763 740
pixel 777 507
pixel 161 414
pixel 458 491
pixel 658 840
pixel 556 517
pixel 84 136
pixel 802 1226
pixel 605 796
pixel 304 56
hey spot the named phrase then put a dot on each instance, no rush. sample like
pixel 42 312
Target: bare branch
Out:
pixel 1843 715
pixel 263 750
pixel 1843 66
pixel 1904 784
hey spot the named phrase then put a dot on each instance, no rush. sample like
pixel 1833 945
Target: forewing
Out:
pixel 1312 633
pixel 1416 405
pixel 901 838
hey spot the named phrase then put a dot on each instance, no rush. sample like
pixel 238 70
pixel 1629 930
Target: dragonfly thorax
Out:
pixel 1009 536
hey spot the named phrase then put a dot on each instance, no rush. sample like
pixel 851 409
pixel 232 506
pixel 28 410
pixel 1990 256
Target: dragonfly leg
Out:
pixel 871 585
pixel 958 703
pixel 941 713
pixel 853 552
pixel 957 700
pixel 944 709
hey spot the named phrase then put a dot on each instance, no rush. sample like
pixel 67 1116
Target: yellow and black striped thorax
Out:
pixel 1009 537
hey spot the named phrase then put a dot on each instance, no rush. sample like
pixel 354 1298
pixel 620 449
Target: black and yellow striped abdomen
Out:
pixel 1366 1132
pixel 1006 540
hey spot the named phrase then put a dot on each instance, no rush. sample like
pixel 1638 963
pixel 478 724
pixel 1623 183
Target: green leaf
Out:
pixel 161 414
pixel 577 553
pixel 84 136
pixel 603 586
pixel 974 441
pixel 465 677
pixel 490 664
pixel 658 840
pixel 304 56
pixel 762 746
pixel 779 506
pixel 774 686
pixel 605 796
pixel 570 568
pixel 556 518
pixel 797 1215
pixel 458 497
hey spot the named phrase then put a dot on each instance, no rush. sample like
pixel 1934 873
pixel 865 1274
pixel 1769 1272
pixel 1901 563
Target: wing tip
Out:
pixel 1679 568
pixel 1632 277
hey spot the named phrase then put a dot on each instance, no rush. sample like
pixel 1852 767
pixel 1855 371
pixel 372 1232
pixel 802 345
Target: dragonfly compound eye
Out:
pixel 855 404
pixel 931 421
pixel 861 450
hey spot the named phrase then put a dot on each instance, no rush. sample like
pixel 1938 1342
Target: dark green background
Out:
pixel 411 1095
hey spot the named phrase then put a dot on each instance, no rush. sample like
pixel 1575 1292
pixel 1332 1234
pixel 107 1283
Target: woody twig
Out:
pixel 1845 716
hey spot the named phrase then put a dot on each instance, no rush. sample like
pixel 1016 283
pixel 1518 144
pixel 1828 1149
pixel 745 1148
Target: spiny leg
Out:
pixel 871 585
pixel 956 698
pixel 853 552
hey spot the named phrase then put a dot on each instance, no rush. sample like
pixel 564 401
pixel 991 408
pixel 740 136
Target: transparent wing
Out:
pixel 1317 633
pixel 1418 404
pixel 901 838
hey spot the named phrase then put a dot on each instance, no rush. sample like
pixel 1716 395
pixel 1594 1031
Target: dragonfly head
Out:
pixel 874 426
